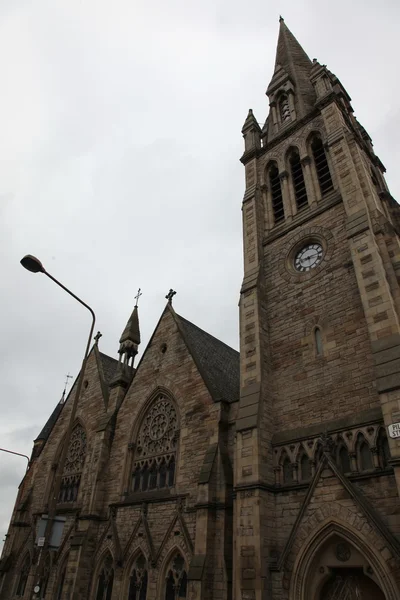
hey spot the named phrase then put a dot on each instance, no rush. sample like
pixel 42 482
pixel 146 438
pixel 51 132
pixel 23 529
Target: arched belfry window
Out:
pixel 284 109
pixel 138 579
pixel 105 579
pixel 299 185
pixel 73 467
pixel 155 449
pixel 23 577
pixel 176 579
pixel 276 193
pixel 321 165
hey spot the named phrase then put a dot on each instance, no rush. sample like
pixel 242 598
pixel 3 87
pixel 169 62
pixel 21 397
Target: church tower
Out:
pixel 317 477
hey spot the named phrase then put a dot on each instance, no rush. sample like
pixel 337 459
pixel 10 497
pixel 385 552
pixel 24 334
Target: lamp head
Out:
pixel 32 264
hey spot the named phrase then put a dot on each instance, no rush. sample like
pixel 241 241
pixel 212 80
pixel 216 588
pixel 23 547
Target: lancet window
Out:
pixel 276 193
pixel 321 165
pixel 105 580
pixel 364 455
pixel 155 451
pixel 305 468
pixel 343 459
pixel 299 184
pixel 284 109
pixel 176 579
pixel 138 579
pixel 319 349
pixel 23 578
pixel 383 449
pixel 287 470
pixel 73 467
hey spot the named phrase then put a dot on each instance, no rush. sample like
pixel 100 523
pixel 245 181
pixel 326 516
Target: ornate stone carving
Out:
pixel 76 451
pixel 343 552
pixel 157 434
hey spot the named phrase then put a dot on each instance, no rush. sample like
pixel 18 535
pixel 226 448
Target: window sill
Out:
pixel 150 497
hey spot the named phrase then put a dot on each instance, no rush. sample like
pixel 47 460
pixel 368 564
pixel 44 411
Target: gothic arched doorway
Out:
pixel 350 584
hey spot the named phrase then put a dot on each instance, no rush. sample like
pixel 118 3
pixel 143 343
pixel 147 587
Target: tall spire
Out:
pixel 292 63
pixel 289 53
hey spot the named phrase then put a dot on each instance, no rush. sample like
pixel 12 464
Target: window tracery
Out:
pixel 138 579
pixel 155 455
pixel 73 465
pixel 176 579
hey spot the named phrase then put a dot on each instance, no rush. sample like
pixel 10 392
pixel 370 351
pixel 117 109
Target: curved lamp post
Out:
pixel 16 454
pixel 33 264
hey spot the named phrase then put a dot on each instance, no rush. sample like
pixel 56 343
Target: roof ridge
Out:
pixel 206 332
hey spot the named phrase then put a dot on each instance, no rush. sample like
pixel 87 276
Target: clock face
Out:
pixel 308 257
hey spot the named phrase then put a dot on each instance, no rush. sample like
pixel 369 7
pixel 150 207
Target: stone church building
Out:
pixel 269 475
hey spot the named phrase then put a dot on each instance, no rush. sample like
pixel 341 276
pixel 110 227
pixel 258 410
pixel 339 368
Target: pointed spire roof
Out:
pixel 51 421
pixel 289 53
pixel 131 332
pixel 292 61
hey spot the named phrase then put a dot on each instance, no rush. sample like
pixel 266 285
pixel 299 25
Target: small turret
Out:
pixel 130 340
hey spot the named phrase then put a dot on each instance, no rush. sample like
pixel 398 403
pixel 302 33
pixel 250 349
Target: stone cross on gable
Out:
pixel 97 337
pixel 138 296
pixel 170 295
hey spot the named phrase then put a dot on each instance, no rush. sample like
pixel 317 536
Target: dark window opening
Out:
pixel 305 468
pixel 299 185
pixel 284 109
pixel 276 194
pixel 365 456
pixel 344 460
pixel 321 166
pixel 383 450
pixel 287 471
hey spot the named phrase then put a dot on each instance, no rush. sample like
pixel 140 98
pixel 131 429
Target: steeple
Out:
pixel 290 91
pixel 130 340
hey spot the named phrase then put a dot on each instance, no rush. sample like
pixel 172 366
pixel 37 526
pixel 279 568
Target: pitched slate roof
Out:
pixel 109 365
pixel 44 434
pixel 218 363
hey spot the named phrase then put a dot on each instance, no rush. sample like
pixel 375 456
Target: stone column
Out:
pixel 287 196
pixel 309 181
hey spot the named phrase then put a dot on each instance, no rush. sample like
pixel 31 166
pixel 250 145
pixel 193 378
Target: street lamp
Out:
pixel 16 454
pixel 33 264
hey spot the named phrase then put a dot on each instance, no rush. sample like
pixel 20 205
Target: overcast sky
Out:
pixel 120 129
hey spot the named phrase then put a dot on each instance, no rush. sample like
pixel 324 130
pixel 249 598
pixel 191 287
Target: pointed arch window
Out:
pixel 276 193
pixel 287 470
pixel 73 467
pixel 105 580
pixel 319 454
pixel 383 449
pixel 344 459
pixel 321 165
pixel 284 109
pixel 305 468
pixel 23 578
pixel 176 579
pixel 364 455
pixel 156 446
pixel 61 581
pixel 299 185
pixel 138 579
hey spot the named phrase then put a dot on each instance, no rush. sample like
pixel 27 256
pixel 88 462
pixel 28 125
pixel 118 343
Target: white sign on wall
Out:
pixel 394 430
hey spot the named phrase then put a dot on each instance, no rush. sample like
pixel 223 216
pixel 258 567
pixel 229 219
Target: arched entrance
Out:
pixel 336 563
pixel 350 584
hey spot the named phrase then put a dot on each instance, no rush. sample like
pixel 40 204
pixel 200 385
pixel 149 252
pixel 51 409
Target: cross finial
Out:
pixel 97 337
pixel 170 295
pixel 281 19
pixel 68 376
pixel 139 293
